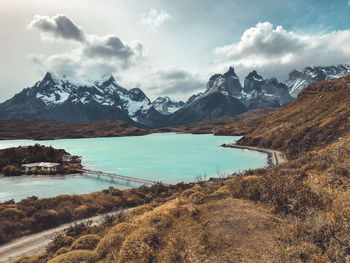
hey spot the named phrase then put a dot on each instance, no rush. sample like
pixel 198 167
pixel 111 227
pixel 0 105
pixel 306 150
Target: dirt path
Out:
pixel 36 243
pixel 275 157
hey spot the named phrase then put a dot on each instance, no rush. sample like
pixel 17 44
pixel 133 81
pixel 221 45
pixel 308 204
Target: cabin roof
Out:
pixel 41 164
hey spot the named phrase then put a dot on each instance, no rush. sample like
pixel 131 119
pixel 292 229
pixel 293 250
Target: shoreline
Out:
pixel 273 157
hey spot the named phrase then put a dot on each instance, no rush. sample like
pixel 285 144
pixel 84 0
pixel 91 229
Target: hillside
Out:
pixel 247 122
pixel 50 129
pixel 299 210
pixel 317 118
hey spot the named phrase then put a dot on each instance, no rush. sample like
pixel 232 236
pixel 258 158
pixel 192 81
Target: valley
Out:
pixel 307 196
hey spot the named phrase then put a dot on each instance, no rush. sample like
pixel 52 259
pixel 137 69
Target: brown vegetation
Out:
pixel 301 211
pixel 33 215
pixel 248 121
pixel 49 129
pixel 180 230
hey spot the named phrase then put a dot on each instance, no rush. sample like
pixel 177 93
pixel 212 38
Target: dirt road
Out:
pixel 276 157
pixel 35 244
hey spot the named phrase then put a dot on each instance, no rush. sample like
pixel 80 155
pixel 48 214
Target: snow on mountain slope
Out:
pixel 300 79
pixel 166 106
pixel 98 99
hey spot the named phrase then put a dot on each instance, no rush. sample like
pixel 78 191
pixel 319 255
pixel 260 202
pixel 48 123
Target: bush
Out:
pixel 11 170
pixel 185 194
pixel 160 222
pixel 196 198
pixel 285 197
pixel 61 251
pixel 46 218
pixel 76 256
pixel 88 242
pixel 140 246
pixel 60 241
pixel 12 213
pixel 221 192
pixel 114 239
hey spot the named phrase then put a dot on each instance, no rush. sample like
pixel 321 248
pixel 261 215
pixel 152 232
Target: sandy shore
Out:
pixel 274 157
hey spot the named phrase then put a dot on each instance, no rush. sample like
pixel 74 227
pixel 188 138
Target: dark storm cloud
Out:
pixel 175 82
pixel 111 47
pixel 60 26
pixel 94 54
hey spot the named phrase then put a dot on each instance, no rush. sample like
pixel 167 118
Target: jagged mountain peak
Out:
pixel 165 105
pixel 227 84
pixel 230 73
pixel 70 99
pixel 254 76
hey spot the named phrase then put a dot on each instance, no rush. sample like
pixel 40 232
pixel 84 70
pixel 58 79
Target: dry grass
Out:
pixel 296 212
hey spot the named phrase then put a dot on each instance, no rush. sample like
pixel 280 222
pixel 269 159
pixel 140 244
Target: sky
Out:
pixel 166 47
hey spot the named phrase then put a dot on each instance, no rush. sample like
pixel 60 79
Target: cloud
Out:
pixel 173 82
pixel 111 47
pixel 276 51
pixel 154 18
pixel 59 26
pixel 94 56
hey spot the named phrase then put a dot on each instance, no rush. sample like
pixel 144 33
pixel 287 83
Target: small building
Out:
pixel 40 166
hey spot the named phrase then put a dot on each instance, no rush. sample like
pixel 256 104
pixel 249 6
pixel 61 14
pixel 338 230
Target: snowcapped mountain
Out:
pixel 193 98
pixel 259 92
pixel 66 99
pixel 300 79
pixel 166 106
pixel 224 95
pixel 70 100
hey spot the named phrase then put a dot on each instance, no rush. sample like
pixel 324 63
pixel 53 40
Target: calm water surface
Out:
pixel 170 158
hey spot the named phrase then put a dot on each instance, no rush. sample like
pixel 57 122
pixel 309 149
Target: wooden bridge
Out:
pixel 121 177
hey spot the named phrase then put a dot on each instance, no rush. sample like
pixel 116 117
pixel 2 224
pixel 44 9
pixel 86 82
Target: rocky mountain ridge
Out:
pixel 300 79
pixel 66 99
pixel 166 106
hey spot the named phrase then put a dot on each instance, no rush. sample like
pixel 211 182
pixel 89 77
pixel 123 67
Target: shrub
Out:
pixel 35 259
pixel 185 194
pixel 12 213
pixel 11 170
pixel 114 239
pixel 76 256
pixel 196 198
pixel 88 242
pixel 46 218
pixel 60 241
pixel 285 197
pixel 160 222
pixel 61 251
pixel 221 192
pixel 140 246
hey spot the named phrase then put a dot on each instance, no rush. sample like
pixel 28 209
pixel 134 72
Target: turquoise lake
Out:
pixel 169 158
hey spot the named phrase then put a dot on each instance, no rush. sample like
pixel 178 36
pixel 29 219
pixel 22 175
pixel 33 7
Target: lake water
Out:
pixel 169 157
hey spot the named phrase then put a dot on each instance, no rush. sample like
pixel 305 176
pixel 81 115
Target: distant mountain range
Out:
pixel 66 99
pixel 300 79
pixel 165 105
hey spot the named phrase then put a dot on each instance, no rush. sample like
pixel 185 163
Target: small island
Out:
pixel 37 160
